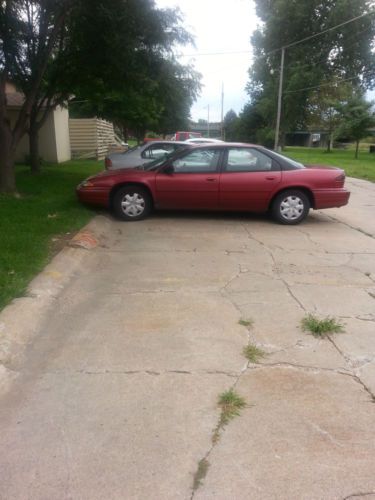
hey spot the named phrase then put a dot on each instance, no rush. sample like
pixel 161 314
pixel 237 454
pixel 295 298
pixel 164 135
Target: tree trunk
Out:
pixel 356 150
pixel 7 174
pixel 34 147
pixel 330 143
pixel 125 133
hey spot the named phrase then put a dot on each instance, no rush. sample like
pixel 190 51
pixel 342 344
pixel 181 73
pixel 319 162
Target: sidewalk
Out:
pixel 113 387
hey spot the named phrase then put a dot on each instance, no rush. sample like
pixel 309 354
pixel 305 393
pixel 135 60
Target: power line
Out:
pixel 323 84
pixel 222 53
pixel 324 59
pixel 310 37
pixel 328 29
pixel 292 44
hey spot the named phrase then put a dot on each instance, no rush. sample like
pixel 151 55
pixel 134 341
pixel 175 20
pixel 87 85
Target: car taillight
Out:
pixel 341 177
pixel 107 163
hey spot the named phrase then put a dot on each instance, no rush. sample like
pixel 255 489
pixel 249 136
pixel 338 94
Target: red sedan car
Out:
pixel 227 176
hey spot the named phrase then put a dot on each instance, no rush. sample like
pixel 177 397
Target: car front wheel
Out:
pixel 290 207
pixel 132 203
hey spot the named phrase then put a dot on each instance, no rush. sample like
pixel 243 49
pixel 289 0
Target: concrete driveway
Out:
pixel 113 365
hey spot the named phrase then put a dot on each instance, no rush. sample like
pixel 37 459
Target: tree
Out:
pixel 29 35
pixel 230 126
pixel 341 54
pixel 148 89
pixel 324 108
pixel 178 87
pixel 93 49
pixel 357 118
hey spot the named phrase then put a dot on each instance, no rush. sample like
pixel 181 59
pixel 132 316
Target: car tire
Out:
pixel 132 203
pixel 290 207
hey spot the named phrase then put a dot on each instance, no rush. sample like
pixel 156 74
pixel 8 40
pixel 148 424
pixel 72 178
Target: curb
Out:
pixel 21 319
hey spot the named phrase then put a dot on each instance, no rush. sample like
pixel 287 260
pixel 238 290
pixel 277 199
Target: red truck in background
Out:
pixel 184 136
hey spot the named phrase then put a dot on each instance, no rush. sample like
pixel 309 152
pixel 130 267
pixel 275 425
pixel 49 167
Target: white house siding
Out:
pixel 61 122
pixel 54 145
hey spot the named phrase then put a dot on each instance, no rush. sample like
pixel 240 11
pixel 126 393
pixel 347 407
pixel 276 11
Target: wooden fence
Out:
pixel 91 137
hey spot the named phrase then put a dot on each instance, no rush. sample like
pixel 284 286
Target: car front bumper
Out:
pixel 93 195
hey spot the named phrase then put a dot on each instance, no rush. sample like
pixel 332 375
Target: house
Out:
pixel 202 128
pixel 54 142
pixel 307 138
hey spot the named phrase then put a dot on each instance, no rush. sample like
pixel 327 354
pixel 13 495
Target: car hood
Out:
pixel 121 172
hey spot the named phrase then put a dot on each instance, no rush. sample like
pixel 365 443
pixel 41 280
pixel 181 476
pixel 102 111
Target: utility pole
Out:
pixel 279 101
pixel 222 113
pixel 208 120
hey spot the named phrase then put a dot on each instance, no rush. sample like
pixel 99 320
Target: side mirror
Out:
pixel 168 169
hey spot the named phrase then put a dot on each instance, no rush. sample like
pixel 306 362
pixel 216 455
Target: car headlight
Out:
pixel 86 184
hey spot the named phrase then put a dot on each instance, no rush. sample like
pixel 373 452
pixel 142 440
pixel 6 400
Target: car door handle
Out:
pixel 210 179
pixel 270 178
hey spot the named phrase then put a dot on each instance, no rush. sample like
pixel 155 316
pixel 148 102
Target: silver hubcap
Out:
pixel 291 208
pixel 133 204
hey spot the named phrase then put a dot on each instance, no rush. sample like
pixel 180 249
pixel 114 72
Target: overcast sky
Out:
pixel 218 26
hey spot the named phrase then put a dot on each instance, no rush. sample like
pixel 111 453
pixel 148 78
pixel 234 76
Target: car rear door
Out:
pixel 248 180
pixel 191 181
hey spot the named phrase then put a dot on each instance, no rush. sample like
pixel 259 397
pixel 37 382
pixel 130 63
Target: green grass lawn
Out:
pixel 47 208
pixel 363 168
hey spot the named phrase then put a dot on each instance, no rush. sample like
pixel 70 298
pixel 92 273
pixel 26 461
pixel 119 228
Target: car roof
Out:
pixel 226 145
pixel 163 141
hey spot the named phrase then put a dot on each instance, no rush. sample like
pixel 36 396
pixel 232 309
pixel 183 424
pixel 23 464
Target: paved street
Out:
pixel 113 365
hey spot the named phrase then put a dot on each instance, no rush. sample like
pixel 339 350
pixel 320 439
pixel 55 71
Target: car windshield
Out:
pixel 296 164
pixel 153 165
pixel 134 148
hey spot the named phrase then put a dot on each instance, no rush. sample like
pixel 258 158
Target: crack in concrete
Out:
pixel 360 230
pixel 353 375
pixel 309 237
pixel 360 494
pixel 149 372
pixel 237 377
pixel 275 267
pixel 139 292
pixel 285 364
pixel 324 433
pixel 342 354
pixel 361 318
pixel 294 297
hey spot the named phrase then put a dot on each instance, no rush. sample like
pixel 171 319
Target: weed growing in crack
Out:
pixel 231 404
pixel 201 473
pixel 253 353
pixel 246 322
pixel 321 327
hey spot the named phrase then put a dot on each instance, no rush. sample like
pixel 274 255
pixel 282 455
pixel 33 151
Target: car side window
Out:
pixel 201 161
pixel 247 160
pixel 157 151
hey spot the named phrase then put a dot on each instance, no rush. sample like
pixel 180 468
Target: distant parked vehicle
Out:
pixel 184 136
pixel 226 176
pixel 146 152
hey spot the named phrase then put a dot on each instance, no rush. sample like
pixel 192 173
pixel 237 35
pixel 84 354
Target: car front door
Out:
pixel 190 181
pixel 248 180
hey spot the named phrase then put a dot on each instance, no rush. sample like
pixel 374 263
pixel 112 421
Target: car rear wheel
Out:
pixel 290 207
pixel 132 203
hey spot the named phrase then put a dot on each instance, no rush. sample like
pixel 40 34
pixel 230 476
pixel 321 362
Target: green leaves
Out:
pixel 339 55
